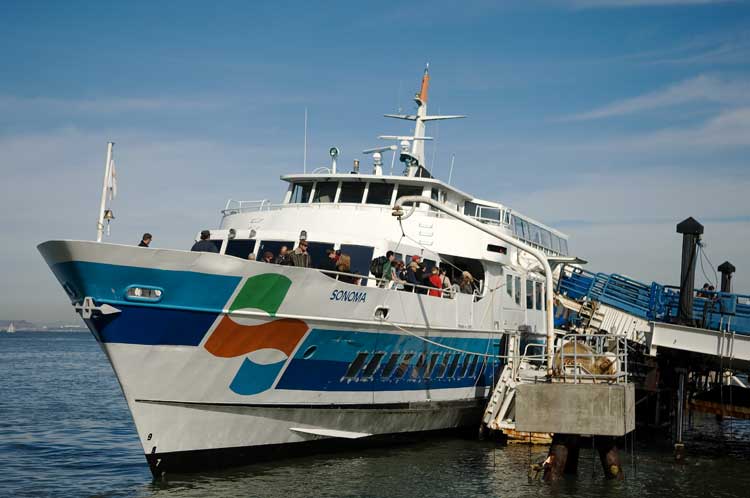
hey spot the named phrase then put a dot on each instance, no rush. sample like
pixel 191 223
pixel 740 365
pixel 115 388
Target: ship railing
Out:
pixel 391 284
pixel 235 207
pixel 606 362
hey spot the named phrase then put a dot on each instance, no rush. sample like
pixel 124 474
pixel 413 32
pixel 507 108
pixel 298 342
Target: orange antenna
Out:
pixel 425 85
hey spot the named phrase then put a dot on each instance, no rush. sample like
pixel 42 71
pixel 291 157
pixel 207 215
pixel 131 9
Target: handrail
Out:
pixel 537 254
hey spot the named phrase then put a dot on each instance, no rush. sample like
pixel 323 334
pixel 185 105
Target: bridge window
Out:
pixel 380 193
pixel 352 192
pixel 301 193
pixel 356 365
pixel 535 236
pixel 325 191
pixel 555 243
pixel 408 190
pixel 240 248
pixel 564 247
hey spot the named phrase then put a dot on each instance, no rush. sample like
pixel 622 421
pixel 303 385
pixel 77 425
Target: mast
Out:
pixel 414 157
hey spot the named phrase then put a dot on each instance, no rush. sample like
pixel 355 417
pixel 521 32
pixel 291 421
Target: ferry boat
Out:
pixel 225 359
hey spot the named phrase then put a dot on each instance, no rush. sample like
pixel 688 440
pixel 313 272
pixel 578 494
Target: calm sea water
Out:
pixel 65 430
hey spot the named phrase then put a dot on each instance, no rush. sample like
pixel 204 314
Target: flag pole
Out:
pixel 100 222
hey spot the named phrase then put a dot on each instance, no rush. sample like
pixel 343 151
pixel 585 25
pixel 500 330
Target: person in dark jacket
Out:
pixel 411 276
pixel 204 245
pixel 300 256
pixel 283 257
pixel 145 240
pixel 267 257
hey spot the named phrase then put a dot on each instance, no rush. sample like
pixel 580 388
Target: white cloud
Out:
pixel 703 88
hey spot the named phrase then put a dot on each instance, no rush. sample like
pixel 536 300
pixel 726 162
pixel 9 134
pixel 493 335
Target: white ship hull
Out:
pixel 233 361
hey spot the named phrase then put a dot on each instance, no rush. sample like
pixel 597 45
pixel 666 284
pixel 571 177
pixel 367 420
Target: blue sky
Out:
pixel 612 120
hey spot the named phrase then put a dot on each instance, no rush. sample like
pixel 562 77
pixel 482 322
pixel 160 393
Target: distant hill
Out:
pixel 20 324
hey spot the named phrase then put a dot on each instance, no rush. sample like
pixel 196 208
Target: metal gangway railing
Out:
pixel 591 358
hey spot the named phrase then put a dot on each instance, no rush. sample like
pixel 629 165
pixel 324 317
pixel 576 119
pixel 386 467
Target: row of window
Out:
pixel 530 232
pixel 534 292
pixel 367 365
pixel 355 192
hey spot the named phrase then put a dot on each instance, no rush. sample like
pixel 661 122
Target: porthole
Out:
pixel 309 352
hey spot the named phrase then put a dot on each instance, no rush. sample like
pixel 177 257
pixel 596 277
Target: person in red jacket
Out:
pixel 437 282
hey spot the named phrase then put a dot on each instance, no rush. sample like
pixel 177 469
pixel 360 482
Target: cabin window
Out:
pixel 325 191
pixel 453 365
pixel 470 209
pixel 391 365
pixel 361 256
pixel 497 249
pixel 555 243
pixel 301 193
pixel 418 370
pixel 529 295
pixel 352 192
pixel 518 289
pixel 535 236
pixel 546 242
pixel 356 365
pixel 564 247
pixel 317 252
pixel 488 213
pixel 539 296
pixel 526 230
pixel 240 248
pixel 509 285
pixel 433 361
pixel 372 366
pixel 217 243
pixel 404 365
pixel 442 366
pixel 473 366
pixel 517 227
pixel 273 246
pixel 464 366
pixel 380 193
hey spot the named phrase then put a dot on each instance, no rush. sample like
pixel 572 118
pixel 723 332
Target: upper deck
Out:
pixel 357 190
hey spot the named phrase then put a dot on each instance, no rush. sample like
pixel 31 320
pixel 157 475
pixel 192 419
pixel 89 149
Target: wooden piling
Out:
pixel 610 458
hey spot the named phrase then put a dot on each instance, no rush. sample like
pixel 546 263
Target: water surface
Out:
pixel 65 430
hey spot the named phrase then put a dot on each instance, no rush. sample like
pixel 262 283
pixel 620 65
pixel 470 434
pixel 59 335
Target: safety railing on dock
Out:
pixel 592 358
pixel 656 302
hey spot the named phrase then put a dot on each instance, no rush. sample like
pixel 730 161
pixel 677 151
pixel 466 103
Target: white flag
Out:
pixel 112 186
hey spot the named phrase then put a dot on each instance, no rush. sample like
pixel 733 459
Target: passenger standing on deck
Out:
pixel 299 256
pixel 145 240
pixel 204 245
pixel 445 283
pixel 436 282
pixel 388 269
pixel 345 266
pixel 411 276
pixel 467 283
pixel 283 257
